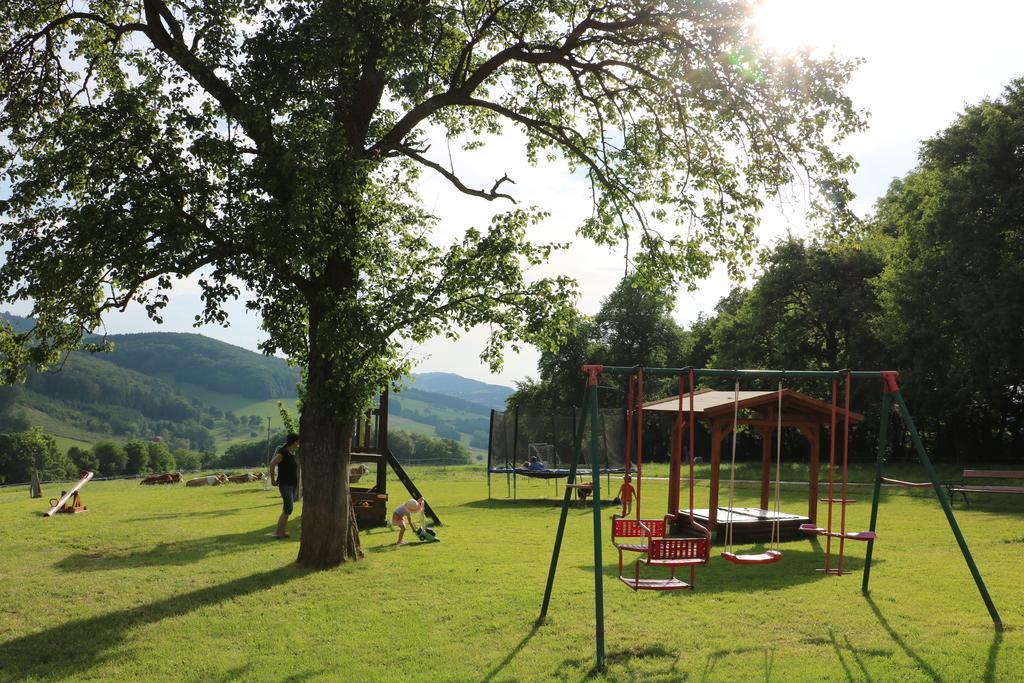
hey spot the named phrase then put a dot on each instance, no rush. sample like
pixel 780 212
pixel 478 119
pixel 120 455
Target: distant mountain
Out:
pixel 204 362
pixel 450 384
pixel 17 322
pixel 204 394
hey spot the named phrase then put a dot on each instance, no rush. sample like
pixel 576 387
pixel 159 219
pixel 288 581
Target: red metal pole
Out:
pixel 639 439
pixel 692 427
pixel 846 456
pixel 831 473
pixel 675 470
pixel 629 424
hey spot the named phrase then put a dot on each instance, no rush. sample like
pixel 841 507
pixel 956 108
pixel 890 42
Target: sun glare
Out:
pixel 787 25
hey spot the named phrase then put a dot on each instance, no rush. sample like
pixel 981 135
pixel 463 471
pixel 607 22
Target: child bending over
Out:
pixel 402 517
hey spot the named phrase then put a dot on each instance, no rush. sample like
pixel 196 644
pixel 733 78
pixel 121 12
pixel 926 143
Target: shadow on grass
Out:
pixel 855 654
pixel 198 513
pixel 500 666
pixel 173 553
pixel 569 667
pixel 896 638
pixel 720 576
pixel 993 657
pixel 73 648
pixel 718 656
pixel 243 488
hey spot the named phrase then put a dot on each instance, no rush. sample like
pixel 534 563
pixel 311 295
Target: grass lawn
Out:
pixel 186 584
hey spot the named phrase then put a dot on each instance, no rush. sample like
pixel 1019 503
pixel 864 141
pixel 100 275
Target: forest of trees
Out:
pixel 932 285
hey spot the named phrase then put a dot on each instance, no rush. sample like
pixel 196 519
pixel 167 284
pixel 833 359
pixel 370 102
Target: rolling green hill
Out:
pixel 469 390
pixel 202 394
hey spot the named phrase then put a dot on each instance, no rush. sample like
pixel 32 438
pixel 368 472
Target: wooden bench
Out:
pixel 963 487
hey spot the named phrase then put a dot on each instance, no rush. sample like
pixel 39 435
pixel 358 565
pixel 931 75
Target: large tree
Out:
pixel 274 148
pixel 952 292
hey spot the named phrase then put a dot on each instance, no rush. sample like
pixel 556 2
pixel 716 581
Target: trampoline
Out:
pixel 537 444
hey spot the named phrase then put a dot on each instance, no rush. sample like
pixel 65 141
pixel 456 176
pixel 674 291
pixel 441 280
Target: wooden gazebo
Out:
pixel 758 409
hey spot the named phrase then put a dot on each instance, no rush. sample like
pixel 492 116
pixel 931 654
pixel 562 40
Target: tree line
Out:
pixel 21 452
pixel 931 285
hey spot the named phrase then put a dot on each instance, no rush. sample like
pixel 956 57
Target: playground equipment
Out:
pixel 691 547
pixel 70 502
pixel 370 446
pixel 423 532
pixel 828 532
pixel 890 396
pixel 773 554
pixel 522 432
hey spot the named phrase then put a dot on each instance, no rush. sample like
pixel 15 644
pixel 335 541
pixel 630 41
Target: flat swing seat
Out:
pixel 849 535
pixel 767 557
pixel 672 584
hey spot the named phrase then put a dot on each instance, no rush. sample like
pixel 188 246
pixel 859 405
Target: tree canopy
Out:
pixel 274 149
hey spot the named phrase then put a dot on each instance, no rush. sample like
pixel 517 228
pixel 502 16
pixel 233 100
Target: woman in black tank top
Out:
pixel 284 473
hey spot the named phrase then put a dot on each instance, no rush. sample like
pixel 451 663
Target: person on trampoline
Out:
pixel 402 517
pixel 626 495
pixel 535 465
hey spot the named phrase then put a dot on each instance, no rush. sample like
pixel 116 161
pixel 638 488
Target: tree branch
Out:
pixel 489 195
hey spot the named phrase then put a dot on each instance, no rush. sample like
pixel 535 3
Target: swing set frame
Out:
pixel 891 397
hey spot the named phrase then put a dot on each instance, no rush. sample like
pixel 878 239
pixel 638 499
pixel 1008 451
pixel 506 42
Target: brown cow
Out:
pixel 245 477
pixel 165 478
pixel 209 480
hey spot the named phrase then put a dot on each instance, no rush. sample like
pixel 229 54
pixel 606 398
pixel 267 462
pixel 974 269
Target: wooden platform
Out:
pixel 753 524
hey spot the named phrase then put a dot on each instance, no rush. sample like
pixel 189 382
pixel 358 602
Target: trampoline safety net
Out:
pixel 518 434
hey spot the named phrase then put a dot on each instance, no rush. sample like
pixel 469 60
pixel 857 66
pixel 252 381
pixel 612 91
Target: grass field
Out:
pixel 186 584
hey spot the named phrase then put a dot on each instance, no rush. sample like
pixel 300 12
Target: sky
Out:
pixel 924 60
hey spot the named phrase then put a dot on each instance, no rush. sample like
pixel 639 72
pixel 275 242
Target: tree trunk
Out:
pixel 329 532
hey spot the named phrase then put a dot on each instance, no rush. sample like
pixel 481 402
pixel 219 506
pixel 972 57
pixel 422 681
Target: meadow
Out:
pixel 161 583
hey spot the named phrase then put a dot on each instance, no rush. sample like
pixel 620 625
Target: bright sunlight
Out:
pixel 785 25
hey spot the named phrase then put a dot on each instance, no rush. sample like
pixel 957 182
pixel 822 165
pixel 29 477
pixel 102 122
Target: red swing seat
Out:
pixel 767 557
pixel 672 553
pixel 642 529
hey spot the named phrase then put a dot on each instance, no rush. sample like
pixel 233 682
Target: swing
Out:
pixel 772 554
pixel 843 501
pixel 641 529
pixel 655 549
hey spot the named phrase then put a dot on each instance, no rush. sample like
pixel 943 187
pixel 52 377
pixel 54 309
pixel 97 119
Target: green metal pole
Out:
pixel 883 438
pixel 595 465
pixel 577 446
pixel 948 509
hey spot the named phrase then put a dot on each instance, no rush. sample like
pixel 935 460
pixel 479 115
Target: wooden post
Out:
pixel 813 434
pixel 766 464
pixel 35 489
pixel 674 473
pixel 717 435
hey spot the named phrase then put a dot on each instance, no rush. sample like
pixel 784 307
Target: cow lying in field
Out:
pixel 165 478
pixel 245 477
pixel 209 480
pixel 356 472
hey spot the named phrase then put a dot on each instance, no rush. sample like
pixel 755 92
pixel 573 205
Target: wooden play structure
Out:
pixel 370 446
pixel 760 410
pixel 663 546
pixel 70 502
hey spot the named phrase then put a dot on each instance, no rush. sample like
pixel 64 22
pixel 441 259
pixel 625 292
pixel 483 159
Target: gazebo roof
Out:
pixel 709 403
